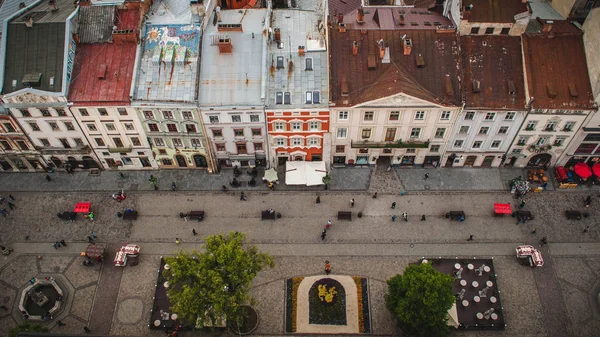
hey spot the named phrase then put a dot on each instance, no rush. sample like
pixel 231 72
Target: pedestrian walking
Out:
pixel 94 236
pixel 89 239
pixel 423 217
pixel 543 241
pixel 393 205
pixel 327 267
pixel 522 204
pixel 242 197
pixel 11 205
pixel 352 202
pixel 194 232
pixel 55 245
pixel 470 238
pixel 177 241
pixel 62 242
pixel 588 201
pixel 587 229
pixel 405 216
pixel 394 217
pixel 10 196
pixel 518 220
pixel 375 195
pixel 323 234
pixel 533 231
pixel 121 175
pixel 426 176
pixel 3 211
pixel 329 224
pixel 223 188
pixel 86 329
pixel 318 199
pixel 48 177
pixel 60 323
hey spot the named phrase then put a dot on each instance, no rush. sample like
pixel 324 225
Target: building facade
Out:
pixel 232 91
pixel 35 88
pixel 395 92
pixel 17 153
pixel 100 91
pixel 560 98
pixel 494 106
pixel 166 87
pixel 298 92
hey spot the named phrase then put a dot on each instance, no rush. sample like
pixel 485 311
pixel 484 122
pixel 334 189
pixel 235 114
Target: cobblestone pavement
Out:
pixel 372 246
pixel 384 181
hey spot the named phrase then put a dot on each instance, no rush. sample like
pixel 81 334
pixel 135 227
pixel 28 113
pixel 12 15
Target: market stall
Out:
pixel 502 209
pixel 519 187
pixel 126 252
pixel 529 255
pixel 583 170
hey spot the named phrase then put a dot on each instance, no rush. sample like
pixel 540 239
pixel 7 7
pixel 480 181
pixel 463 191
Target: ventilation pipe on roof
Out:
pixel 28 21
pixel 407 46
pixel 22 5
pixel 354 48
pixel 53 5
pixel 381 44
pixel 360 15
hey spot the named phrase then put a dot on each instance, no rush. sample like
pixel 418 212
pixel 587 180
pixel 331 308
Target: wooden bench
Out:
pixel 130 215
pixel 195 215
pixel 268 215
pixel 456 215
pixel 344 215
pixel 523 214
pixel 68 216
pixel 573 215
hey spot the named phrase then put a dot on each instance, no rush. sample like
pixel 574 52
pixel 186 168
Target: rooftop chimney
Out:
pixel 360 16
pixel 344 88
pixel 354 48
pixel 342 27
pixel 277 35
pixel 22 5
pixel 381 45
pixel 401 20
pixel 476 86
pixel 225 46
pixel 420 61
pixel 551 90
pixel 300 50
pixel 53 5
pixel 573 90
pixel 28 21
pixel 340 18
pixel 101 72
pixel 407 46
pixel 448 85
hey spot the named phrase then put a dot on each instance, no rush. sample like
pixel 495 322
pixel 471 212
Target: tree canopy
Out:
pixel 212 285
pixel 26 327
pixel 420 299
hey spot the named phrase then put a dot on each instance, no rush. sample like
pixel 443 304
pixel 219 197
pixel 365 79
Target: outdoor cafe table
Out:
pixel 82 207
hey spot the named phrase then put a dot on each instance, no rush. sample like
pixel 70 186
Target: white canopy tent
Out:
pixel 453 317
pixel 271 175
pixel 309 173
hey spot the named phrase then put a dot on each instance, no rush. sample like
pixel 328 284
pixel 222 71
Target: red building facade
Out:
pixel 298 135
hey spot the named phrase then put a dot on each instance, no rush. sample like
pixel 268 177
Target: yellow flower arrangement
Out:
pixel 359 293
pixel 295 284
pixel 326 295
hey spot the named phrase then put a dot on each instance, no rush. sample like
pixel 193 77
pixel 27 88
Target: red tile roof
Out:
pixel 556 66
pixel 499 11
pixel 114 61
pixel 401 75
pixel 343 6
pixel 494 61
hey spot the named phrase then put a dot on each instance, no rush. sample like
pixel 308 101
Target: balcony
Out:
pixel 393 145
pixel 119 149
pixel 49 150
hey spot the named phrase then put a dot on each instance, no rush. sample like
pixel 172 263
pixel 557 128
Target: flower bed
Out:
pixel 327 303
pixel 291 303
pixel 364 319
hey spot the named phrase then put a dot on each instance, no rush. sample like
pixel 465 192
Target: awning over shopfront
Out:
pixel 583 170
pixel 309 173
pixel 596 169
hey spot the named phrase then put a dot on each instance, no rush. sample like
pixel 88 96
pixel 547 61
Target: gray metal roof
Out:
pixel 170 12
pixel 298 27
pixel 95 24
pixel 38 49
pixel 10 7
pixel 233 79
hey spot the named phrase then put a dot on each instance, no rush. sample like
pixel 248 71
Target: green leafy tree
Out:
pixel 212 285
pixel 26 327
pixel 420 299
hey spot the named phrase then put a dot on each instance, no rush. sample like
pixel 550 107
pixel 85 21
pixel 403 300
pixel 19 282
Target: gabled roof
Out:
pixel 103 71
pixel 438 81
pixel 36 54
pixel 495 63
pixel 557 74
pixel 499 11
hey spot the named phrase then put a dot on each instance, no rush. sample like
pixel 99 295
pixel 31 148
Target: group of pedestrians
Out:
pixel 9 203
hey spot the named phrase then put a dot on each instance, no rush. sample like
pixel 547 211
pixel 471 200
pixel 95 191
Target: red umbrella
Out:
pixel 582 170
pixel 596 169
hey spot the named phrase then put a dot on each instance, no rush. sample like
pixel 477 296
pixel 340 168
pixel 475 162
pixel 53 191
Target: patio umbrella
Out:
pixel 271 175
pixel 582 170
pixel 596 169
